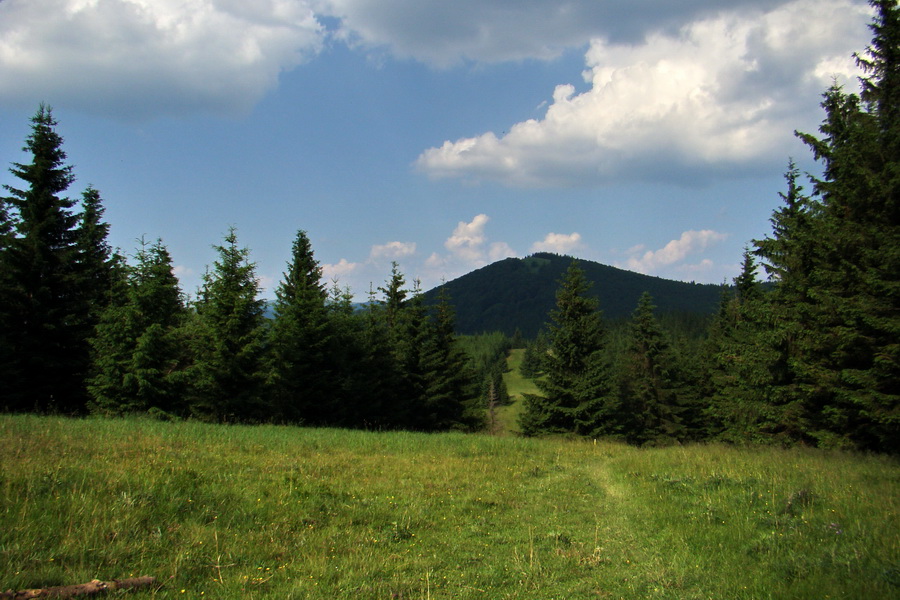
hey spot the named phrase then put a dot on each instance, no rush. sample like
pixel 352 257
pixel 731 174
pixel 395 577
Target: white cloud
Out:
pixel 182 271
pixel 150 57
pixel 339 270
pixel 392 250
pixel 468 239
pixel 674 254
pixel 499 251
pixel 468 249
pixel 722 94
pixel 559 243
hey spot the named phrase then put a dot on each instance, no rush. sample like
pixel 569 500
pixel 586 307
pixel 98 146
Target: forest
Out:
pixel 804 348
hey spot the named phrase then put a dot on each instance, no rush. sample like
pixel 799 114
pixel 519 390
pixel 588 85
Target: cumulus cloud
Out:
pixel 150 57
pixel 675 253
pixel 445 33
pixel 392 250
pixel 559 243
pixel 722 94
pixel 468 248
pixel 340 269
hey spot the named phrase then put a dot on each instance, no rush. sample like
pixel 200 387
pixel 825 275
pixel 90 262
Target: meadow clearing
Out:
pixel 218 511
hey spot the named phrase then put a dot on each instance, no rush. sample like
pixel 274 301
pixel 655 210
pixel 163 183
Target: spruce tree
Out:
pixel 139 355
pixel 302 366
pixel 450 398
pixel 228 338
pixel 576 392
pixel 45 314
pixel 847 367
pixel 655 399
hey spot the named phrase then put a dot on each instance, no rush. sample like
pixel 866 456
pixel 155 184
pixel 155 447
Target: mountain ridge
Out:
pixel 519 293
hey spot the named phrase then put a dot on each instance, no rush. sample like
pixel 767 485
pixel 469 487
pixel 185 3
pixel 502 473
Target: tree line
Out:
pixel 812 357
pixel 85 329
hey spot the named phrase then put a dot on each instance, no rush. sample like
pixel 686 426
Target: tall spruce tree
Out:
pixel 228 337
pixel 656 404
pixel 576 394
pixel 450 399
pixel 847 365
pixel 302 374
pixel 139 355
pixel 739 368
pixel 45 315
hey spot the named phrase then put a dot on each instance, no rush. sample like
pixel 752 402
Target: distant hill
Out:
pixel 520 292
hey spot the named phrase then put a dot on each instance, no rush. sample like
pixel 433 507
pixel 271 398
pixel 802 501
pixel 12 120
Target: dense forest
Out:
pixel 811 355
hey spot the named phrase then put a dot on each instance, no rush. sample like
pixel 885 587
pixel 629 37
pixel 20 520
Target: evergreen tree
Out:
pixel 741 367
pixel 139 354
pixel 450 399
pixel 228 337
pixel 576 393
pixel 655 401
pixel 532 360
pixel 44 314
pixel 847 366
pixel 302 374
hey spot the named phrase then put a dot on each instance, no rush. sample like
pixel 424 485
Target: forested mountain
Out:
pixel 518 293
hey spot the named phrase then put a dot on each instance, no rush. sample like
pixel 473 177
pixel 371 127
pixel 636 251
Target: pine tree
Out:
pixel 139 353
pixel 655 401
pixel 848 366
pixel 743 366
pixel 44 312
pixel 228 335
pixel 576 393
pixel 302 367
pixel 449 396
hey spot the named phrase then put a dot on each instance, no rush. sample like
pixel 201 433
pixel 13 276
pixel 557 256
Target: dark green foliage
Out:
pixel 450 399
pixel 518 293
pixel 302 374
pixel 139 353
pixel 837 261
pixel 576 392
pixel 45 315
pixel 533 358
pixel 227 335
pixel 96 262
pixel 740 366
pixel 656 403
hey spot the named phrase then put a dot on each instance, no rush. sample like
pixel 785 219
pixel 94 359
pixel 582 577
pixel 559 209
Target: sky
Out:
pixel 650 135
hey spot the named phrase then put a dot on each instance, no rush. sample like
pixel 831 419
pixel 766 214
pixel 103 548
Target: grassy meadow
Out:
pixel 279 512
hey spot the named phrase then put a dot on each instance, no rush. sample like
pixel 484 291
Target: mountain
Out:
pixel 519 293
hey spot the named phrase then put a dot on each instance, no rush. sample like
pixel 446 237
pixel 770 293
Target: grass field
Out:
pixel 280 512
pixel 516 386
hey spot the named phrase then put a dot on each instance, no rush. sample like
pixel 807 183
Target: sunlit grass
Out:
pixel 517 386
pixel 279 512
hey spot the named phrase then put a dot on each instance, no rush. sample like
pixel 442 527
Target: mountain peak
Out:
pixel 519 293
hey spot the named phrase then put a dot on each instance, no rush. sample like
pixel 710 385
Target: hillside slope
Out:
pixel 520 292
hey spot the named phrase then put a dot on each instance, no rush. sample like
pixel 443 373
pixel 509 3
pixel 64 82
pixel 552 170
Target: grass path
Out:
pixel 279 512
pixel 517 386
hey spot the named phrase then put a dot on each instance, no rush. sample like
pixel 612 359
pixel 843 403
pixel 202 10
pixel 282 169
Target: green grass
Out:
pixel 280 512
pixel 517 386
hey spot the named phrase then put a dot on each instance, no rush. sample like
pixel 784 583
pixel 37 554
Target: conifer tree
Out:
pixel 847 366
pixel 139 354
pixel 450 399
pixel 302 374
pixel 44 311
pixel 655 401
pixel 576 393
pixel 228 337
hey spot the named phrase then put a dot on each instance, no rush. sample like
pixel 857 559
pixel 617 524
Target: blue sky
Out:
pixel 651 135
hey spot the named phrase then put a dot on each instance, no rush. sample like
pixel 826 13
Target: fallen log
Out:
pixel 82 589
